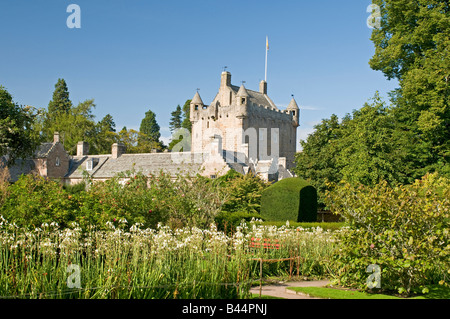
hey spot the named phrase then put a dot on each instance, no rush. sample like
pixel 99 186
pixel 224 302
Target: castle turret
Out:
pixel 196 105
pixel 295 111
pixel 242 100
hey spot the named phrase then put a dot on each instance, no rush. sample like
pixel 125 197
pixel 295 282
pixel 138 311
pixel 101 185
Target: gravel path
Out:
pixel 279 290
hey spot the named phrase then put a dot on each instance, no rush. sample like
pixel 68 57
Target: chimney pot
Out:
pixel 82 148
pixel 117 150
pixel 56 137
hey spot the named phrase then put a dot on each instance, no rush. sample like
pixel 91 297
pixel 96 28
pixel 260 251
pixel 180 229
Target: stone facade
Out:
pixel 248 123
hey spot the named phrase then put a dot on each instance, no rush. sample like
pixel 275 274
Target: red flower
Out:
pixel 149 211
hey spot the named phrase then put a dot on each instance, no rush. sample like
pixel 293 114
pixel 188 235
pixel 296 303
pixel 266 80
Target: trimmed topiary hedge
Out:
pixel 291 199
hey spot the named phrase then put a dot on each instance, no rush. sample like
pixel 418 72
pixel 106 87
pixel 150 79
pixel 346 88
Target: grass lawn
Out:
pixel 436 292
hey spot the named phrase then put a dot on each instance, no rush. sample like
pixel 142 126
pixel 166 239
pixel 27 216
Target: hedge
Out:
pixel 291 199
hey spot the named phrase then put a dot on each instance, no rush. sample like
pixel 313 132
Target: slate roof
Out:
pixel 151 163
pixel 257 98
pixel 43 150
pixel 20 166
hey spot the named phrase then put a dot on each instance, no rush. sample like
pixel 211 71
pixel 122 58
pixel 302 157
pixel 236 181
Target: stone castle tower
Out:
pixel 245 122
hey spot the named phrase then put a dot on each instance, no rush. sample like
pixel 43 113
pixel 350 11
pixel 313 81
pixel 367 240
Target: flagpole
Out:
pixel 267 49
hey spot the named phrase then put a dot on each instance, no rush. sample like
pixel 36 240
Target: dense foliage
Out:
pixel 404 230
pixel 291 199
pixel 18 137
pixel 148 200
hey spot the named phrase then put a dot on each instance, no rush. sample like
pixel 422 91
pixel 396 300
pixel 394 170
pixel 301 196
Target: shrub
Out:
pixel 404 230
pixel 290 199
pixel 244 192
pixel 32 200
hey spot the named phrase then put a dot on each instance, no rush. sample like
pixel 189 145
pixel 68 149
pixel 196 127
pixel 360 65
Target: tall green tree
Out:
pixel 186 115
pixel 412 46
pixel 318 160
pixel 78 124
pixel 176 119
pixel 105 134
pixel 368 146
pixel 372 148
pixel 18 136
pixel 179 133
pixel 149 131
pixel 60 102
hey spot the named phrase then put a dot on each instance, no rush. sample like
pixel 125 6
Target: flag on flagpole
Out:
pixel 267 43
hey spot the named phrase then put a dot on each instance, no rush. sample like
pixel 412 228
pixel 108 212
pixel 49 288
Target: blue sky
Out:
pixel 135 55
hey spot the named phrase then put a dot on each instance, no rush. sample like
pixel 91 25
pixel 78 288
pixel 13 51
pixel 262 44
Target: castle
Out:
pixel 240 130
pixel 247 127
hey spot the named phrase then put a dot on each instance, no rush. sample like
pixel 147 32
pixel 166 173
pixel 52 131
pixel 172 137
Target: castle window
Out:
pixel 213 176
pixel 205 107
pixel 243 100
pixel 293 113
pixel 196 107
pixel 231 98
pixel 207 124
pixel 58 162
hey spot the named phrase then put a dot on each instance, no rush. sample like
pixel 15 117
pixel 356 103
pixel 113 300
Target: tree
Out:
pixel 367 147
pixel 76 125
pixel 372 148
pixel 107 124
pixel 18 137
pixel 105 135
pixel 179 133
pixel 186 116
pixel 318 160
pixel 150 127
pixel 175 120
pixel 412 45
pixel 60 102
pixel 136 142
pixel 149 133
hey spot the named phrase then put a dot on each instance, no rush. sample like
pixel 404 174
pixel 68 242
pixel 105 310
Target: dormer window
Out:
pixel 58 162
pixel 205 107
pixel 293 113
pixel 89 164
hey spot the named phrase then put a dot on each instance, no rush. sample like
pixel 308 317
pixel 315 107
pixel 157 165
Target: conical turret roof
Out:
pixel 242 91
pixel 293 105
pixel 197 99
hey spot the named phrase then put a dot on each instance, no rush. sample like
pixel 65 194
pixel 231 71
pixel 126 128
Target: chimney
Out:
pixel 82 148
pixel 56 137
pixel 225 79
pixel 263 87
pixel 117 150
